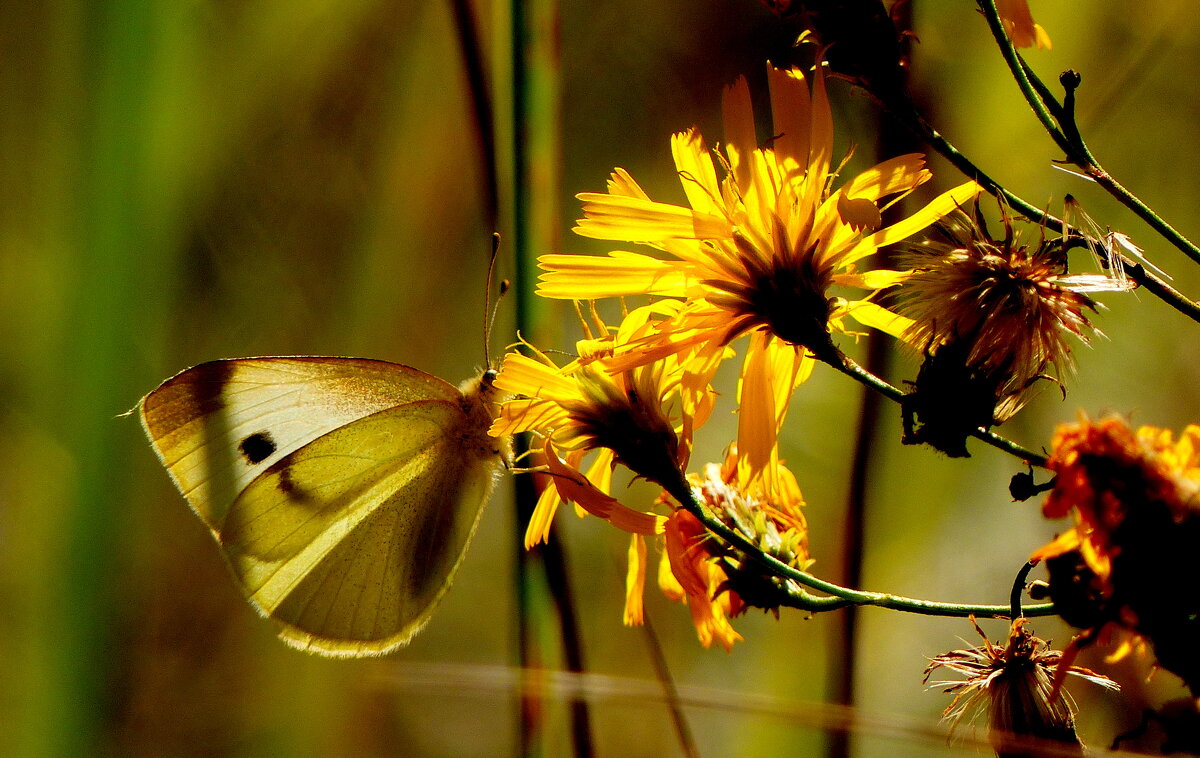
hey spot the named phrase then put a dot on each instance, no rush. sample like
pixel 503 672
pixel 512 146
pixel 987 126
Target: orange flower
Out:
pixel 1129 560
pixel 1110 478
pixel 715 580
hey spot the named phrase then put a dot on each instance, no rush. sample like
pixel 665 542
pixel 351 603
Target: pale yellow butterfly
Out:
pixel 341 491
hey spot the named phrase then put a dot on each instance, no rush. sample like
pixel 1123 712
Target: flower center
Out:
pixel 791 301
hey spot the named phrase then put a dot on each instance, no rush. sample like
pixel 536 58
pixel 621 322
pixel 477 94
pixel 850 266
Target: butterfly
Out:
pixel 342 491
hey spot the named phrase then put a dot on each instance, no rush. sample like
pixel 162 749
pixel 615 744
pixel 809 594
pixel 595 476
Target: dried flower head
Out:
pixel 1015 684
pixel 1129 560
pixel 992 318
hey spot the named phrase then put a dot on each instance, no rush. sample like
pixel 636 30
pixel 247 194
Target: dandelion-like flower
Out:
pixel 1129 559
pixel 757 252
pixel 992 318
pixel 715 580
pixel 1015 684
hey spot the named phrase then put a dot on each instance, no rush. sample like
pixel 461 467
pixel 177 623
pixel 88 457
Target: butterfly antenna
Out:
pixel 489 310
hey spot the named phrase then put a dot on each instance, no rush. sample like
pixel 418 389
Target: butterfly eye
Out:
pixel 488 378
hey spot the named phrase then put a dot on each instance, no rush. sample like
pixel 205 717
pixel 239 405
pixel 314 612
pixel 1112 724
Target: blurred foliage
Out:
pixel 194 180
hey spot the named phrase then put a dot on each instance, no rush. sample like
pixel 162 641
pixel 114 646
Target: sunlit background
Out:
pixel 185 181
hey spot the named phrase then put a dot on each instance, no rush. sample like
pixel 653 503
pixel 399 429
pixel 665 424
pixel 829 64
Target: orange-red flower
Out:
pixel 1130 558
pixel 716 581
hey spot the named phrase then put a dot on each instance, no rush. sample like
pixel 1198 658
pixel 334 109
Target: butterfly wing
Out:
pixel 217 426
pixel 343 492
pixel 351 540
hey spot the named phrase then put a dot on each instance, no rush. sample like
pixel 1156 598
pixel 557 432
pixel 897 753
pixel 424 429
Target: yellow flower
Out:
pixel 1018 22
pixel 641 418
pixel 757 252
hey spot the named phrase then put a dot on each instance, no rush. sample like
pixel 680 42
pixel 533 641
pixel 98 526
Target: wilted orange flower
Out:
pixel 716 581
pixel 1018 22
pixel 1107 475
pixel 1130 558
pixel 764 240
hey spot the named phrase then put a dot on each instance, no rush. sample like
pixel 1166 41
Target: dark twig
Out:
pixel 1059 122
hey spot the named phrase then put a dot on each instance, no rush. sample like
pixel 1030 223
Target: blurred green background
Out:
pixel 194 180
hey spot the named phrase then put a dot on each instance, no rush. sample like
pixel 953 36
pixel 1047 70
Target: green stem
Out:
pixel 1063 129
pixel 1020 74
pixel 836 595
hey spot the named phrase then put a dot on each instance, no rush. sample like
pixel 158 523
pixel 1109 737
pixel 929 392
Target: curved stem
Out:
pixel 836 596
pixel 1014 598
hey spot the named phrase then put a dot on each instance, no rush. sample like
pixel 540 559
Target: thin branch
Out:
pixel 1063 129
pixel 1022 75
pixel 1133 269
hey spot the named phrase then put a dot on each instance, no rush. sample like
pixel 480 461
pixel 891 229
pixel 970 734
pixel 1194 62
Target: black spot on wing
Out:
pixel 257 447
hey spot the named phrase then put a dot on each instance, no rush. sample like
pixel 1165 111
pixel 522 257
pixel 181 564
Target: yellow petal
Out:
pixel 878 279
pixel 696 171
pixel 878 317
pixel 741 138
pixel 667 582
pixel 898 174
pixel 634 219
pixel 940 206
pixel 621 183
pixel 635 580
pixel 821 143
pixel 527 415
pixel 591 277
pixel 768 378
pixel 542 517
pixel 792 113
pixel 522 375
